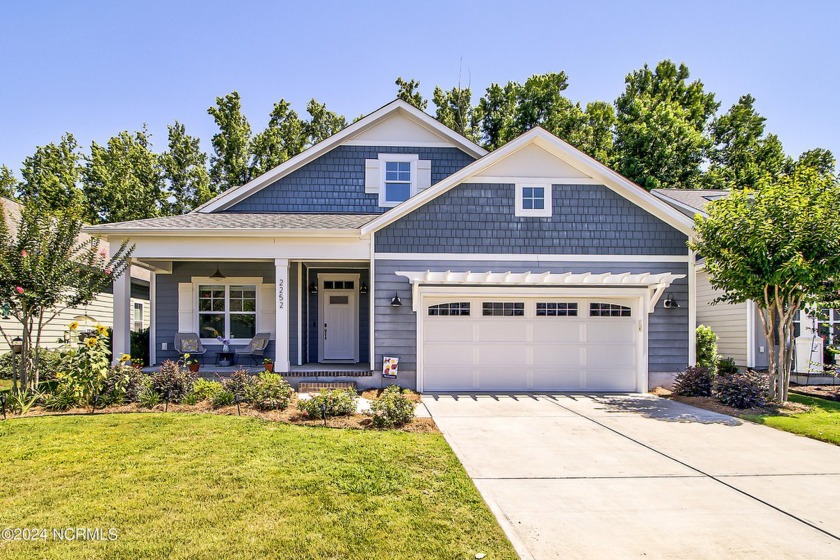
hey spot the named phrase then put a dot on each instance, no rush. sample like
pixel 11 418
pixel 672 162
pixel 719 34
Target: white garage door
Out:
pixel 529 343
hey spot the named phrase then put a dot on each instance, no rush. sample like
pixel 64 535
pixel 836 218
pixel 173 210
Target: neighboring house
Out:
pixel 738 326
pixel 99 311
pixel 533 267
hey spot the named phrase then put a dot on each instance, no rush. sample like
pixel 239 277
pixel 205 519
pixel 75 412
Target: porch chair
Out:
pixel 256 348
pixel 189 343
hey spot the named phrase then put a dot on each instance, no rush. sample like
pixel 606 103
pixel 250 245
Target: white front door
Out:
pixel 339 317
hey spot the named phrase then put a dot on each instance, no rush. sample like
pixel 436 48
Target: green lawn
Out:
pixel 224 487
pixel 822 422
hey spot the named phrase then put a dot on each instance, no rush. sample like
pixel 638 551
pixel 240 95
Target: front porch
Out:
pixel 316 313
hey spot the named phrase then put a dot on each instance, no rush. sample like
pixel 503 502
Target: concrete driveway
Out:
pixel 638 476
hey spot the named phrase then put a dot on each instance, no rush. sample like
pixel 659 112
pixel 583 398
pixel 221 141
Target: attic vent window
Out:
pixel 533 200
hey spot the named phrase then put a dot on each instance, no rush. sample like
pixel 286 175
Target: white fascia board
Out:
pixel 645 279
pixel 245 232
pixel 469 257
pixel 563 151
pixel 236 194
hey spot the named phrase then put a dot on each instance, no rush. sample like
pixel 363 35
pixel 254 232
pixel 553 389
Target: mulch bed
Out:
pixel 709 403
pixel 289 416
pixel 829 392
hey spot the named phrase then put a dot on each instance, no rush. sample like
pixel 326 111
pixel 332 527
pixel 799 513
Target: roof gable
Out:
pixel 567 156
pixel 531 162
pixel 397 117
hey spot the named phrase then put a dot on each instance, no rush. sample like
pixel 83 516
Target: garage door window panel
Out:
pixel 608 310
pixel 557 309
pixel 503 309
pixel 457 309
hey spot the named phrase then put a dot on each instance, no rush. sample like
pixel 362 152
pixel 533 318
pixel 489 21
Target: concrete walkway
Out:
pixel 638 476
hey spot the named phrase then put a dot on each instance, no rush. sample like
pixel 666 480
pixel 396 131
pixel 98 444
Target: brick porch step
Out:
pixel 314 387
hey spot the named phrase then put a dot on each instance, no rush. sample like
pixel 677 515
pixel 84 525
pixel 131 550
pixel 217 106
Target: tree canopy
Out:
pixel 778 246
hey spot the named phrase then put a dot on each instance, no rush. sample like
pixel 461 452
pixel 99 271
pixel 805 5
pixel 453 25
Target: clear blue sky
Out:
pixel 95 68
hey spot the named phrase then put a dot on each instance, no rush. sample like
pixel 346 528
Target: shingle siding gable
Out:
pixel 335 182
pixel 479 218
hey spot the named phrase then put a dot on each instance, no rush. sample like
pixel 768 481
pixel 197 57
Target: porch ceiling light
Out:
pixel 217 276
pixel 396 301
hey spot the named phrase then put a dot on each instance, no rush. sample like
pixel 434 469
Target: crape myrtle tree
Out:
pixel 45 268
pixel 778 246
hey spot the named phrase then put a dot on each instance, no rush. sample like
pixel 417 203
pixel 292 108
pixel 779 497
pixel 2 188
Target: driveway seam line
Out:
pixel 712 477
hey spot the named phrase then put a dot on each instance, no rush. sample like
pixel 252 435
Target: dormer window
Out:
pixel 397 181
pixel 533 200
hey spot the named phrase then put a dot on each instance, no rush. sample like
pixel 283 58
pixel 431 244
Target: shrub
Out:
pixel 49 363
pixel 707 348
pixel 392 408
pixel 64 397
pixel 238 383
pixel 742 390
pixel 172 382
pixel 269 391
pixel 148 396
pixel 695 381
pixel 204 390
pixel 338 402
pixel 726 366
pixel 122 385
pixel 223 398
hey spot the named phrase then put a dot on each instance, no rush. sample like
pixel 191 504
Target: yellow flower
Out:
pixel 103 331
pixel 124 358
pixel 90 342
pixel 186 356
pixel 74 325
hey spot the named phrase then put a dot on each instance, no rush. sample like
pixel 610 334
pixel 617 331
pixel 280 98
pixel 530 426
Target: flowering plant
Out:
pixel 223 340
pixel 189 360
pixel 267 361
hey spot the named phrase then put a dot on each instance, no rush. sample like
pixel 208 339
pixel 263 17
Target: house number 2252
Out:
pixel 280 296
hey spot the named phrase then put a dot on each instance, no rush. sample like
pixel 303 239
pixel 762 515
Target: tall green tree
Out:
pixel 496 114
pixel 409 92
pixel 123 179
pixel 231 144
pixel 45 269
pixel 597 136
pixel 741 156
pixel 454 109
pixel 284 137
pixel 184 168
pixel 322 122
pixel 51 175
pixel 8 183
pixel 819 159
pixel 777 246
pixel 660 129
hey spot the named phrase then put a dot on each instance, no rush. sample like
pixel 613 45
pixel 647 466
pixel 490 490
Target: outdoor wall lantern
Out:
pixel 670 302
pixel 217 276
pixel 313 288
pixel 363 288
pixel 17 345
pixel 396 301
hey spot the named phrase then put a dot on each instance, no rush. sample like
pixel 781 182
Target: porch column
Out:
pixel 281 330
pixel 152 318
pixel 122 315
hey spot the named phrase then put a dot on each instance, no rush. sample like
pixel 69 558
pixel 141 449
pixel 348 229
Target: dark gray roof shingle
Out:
pixel 694 198
pixel 221 221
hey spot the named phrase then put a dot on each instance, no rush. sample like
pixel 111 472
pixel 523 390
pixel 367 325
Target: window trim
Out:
pixel 383 160
pixel 226 283
pixel 134 321
pixel 545 212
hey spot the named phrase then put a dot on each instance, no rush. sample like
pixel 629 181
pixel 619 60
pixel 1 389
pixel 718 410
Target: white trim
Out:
pixel 281 315
pixel 221 232
pixel 536 180
pixel 372 304
pixel 468 257
pixel 418 144
pixel 236 194
pixel 384 159
pixel 321 305
pixel 692 308
pixel 562 150
pixel 152 319
pixel 544 212
pixel 300 289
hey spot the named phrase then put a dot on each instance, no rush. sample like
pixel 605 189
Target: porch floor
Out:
pixel 306 370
